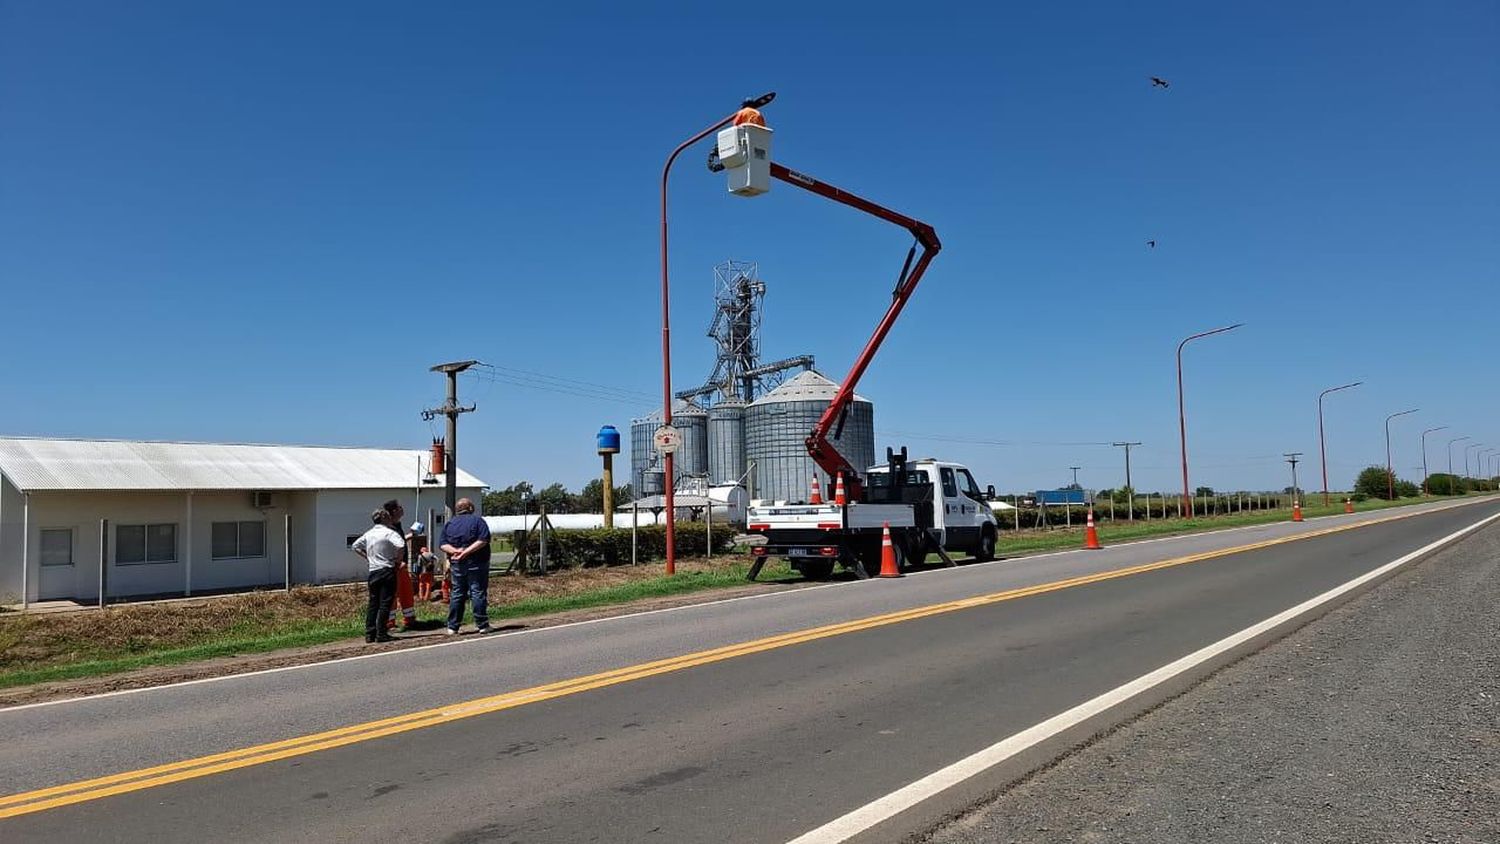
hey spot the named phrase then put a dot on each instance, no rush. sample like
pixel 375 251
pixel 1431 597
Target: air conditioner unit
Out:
pixel 260 499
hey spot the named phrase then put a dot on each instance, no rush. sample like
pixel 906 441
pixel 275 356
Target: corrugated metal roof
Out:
pixel 807 386
pixel 51 464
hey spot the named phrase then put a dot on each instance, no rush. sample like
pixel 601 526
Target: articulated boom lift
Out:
pixel 819 443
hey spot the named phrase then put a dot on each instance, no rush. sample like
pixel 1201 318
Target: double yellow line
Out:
pixel 43 799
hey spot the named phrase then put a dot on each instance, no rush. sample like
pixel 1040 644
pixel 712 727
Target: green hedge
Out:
pixel 611 547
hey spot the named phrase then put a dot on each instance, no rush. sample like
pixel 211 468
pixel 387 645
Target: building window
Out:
pixel 57 546
pixel 239 540
pixel 144 544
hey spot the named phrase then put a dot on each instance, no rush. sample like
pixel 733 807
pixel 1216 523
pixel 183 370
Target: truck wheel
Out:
pixel 916 552
pixel 986 550
pixel 816 569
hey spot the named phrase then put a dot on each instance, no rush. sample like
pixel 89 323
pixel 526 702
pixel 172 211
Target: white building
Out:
pixel 184 518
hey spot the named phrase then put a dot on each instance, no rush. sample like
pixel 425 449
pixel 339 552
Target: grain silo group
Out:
pixel 763 442
pixel 744 425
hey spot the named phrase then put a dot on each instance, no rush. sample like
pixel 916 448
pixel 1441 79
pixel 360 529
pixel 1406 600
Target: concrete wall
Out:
pixel 81 512
pixel 344 513
pixel 320 523
pixel 11 503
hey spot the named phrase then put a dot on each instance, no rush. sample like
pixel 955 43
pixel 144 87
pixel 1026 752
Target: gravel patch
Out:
pixel 1379 722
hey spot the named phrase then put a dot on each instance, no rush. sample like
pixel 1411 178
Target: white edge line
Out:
pixel 471 640
pixel 867 816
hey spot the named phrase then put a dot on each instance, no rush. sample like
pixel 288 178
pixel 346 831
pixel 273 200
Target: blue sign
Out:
pixel 1062 496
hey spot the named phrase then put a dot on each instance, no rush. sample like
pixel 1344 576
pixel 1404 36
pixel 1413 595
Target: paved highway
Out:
pixel 758 719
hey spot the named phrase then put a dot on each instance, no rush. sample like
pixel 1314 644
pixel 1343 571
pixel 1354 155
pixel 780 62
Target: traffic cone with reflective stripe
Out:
pixel 817 492
pixel 888 567
pixel 1296 510
pixel 1348 505
pixel 1091 534
pixel 838 491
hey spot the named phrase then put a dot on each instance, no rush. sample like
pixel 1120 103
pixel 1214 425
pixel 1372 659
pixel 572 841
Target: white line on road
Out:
pixel 867 816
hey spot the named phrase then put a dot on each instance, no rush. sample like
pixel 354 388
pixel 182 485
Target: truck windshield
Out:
pixel 966 482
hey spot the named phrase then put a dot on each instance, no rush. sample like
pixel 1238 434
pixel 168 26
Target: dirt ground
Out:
pixel 58 638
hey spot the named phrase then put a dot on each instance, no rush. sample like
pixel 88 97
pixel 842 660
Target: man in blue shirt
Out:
pixel 466 541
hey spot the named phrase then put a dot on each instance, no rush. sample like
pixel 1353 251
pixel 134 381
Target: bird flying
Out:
pixel 1151 243
pixel 1160 82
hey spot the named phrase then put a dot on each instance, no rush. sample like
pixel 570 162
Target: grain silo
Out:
pixel 776 429
pixel 726 442
pixel 646 466
pixel 692 458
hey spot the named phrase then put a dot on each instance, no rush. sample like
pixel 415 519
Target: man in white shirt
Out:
pixel 384 549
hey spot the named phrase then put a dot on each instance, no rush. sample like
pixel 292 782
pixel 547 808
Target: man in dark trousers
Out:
pixel 384 549
pixel 466 541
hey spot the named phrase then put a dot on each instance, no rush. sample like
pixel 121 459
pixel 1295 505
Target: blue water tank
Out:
pixel 608 440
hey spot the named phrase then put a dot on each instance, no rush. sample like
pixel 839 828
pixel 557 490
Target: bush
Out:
pixel 601 546
pixel 1374 482
pixel 1407 489
pixel 1442 483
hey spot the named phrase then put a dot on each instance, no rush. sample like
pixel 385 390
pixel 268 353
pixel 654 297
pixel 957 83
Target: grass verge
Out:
pixel 41 648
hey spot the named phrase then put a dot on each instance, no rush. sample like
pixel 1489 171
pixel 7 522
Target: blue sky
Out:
pixel 263 222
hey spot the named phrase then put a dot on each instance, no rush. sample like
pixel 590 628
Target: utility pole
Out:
pixel 1131 494
pixel 451 409
pixel 1075 475
pixel 1293 457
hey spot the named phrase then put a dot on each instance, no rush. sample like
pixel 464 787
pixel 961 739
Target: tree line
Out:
pixel 555 498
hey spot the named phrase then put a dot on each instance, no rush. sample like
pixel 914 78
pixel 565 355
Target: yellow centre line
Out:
pixel 93 789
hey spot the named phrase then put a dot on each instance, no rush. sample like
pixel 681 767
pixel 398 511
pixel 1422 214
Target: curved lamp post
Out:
pixel 1390 474
pixel 1466 457
pixel 1424 455
pixel 1322 448
pixel 1450 452
pixel 1182 413
pixel 666 320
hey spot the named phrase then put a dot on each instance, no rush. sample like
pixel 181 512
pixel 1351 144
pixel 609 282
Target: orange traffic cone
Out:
pixel 1348 505
pixel 838 491
pixel 888 567
pixel 1091 534
pixel 1296 510
pixel 817 492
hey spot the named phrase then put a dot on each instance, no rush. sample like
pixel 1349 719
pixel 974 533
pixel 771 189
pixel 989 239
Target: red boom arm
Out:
pixel 818 445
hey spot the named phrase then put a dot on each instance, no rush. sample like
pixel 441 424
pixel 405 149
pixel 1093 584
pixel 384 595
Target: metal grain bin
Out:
pixel 726 442
pixel 776 429
pixel 692 458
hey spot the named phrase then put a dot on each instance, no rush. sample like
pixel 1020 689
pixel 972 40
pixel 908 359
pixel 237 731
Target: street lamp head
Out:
pixel 760 101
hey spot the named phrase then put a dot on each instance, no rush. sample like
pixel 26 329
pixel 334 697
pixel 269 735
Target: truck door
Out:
pixel 961 518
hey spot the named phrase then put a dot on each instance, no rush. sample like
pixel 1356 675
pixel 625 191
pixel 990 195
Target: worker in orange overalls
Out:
pixel 405 595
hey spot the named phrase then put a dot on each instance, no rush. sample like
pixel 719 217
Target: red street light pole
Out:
pixel 1182 413
pixel 1390 474
pixel 1322 448
pixel 666 322
pixel 1424 456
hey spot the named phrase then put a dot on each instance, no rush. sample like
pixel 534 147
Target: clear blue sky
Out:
pixel 264 221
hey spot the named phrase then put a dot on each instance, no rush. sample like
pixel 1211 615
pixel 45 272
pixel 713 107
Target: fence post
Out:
pixel 286 547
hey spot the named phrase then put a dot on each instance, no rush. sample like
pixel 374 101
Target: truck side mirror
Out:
pixel 989 493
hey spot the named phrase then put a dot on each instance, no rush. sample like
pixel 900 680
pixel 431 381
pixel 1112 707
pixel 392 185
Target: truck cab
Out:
pixel 957 513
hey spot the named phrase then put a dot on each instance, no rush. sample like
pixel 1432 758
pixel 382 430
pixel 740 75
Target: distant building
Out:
pixel 186 518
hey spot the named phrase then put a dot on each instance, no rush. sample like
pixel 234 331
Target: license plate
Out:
pixel 799 552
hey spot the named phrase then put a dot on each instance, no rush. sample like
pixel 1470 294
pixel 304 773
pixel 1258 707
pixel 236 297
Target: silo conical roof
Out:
pixel 806 386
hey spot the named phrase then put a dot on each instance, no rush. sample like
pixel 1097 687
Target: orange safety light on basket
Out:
pixel 749 115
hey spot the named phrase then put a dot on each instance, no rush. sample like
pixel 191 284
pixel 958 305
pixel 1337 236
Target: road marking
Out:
pixel 93 789
pixel 849 825
pixel 1417 510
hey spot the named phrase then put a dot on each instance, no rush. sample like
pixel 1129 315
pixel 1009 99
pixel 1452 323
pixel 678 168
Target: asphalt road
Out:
pixel 1377 722
pixel 762 746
